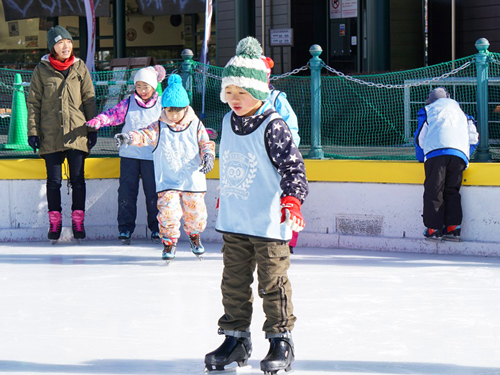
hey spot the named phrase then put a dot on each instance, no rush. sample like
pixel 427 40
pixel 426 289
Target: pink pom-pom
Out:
pixel 160 70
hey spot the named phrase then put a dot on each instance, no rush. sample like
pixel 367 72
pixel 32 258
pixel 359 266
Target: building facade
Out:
pixel 357 36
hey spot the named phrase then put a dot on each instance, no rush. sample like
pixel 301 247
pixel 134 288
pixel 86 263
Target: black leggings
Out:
pixel 131 171
pixel 76 162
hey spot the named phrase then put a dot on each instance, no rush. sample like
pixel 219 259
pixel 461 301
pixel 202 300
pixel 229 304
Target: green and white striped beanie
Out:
pixel 246 70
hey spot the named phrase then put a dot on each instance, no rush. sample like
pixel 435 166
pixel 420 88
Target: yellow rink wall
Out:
pixel 391 172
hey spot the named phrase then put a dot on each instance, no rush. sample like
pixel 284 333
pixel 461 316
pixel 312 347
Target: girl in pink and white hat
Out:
pixel 136 112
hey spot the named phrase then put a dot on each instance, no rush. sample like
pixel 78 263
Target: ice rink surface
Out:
pixel 104 308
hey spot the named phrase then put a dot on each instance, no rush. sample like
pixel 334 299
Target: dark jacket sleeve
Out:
pixel 88 98
pixel 287 159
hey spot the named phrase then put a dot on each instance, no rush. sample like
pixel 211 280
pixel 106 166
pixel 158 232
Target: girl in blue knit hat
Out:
pixel 182 155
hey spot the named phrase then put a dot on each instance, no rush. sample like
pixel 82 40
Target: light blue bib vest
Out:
pixel 137 118
pixel 177 160
pixel 249 185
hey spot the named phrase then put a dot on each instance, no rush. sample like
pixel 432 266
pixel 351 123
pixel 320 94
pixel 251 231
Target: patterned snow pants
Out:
pixel 176 205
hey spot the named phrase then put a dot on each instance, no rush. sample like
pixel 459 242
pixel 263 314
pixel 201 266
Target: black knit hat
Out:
pixel 55 34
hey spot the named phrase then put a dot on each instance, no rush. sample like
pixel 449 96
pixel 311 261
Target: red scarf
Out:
pixel 60 65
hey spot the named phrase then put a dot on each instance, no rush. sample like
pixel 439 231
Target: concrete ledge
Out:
pixel 357 216
pixel 423 246
pixel 306 239
pixel 101 232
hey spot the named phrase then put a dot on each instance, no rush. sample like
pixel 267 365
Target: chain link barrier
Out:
pixel 13 88
pixel 295 71
pixel 357 80
pixel 390 86
pixel 97 83
pixel 373 127
pixel 131 90
pixel 493 60
pixel 273 78
pixel 206 73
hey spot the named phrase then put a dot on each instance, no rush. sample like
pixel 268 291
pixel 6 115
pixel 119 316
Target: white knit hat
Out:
pixel 151 75
pixel 246 70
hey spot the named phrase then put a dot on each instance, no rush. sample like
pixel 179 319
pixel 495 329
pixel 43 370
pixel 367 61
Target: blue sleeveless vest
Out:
pixel 137 118
pixel 177 160
pixel 249 185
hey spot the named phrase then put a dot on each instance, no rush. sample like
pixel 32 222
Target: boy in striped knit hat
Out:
pixel 262 187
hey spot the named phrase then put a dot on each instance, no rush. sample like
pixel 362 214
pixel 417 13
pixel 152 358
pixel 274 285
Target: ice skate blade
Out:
pixel 452 239
pixel 433 239
pixel 168 262
pixel 287 370
pixel 53 242
pixel 228 370
pixel 125 241
pixel 199 256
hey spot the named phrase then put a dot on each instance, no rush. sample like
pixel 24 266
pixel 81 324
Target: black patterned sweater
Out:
pixel 281 149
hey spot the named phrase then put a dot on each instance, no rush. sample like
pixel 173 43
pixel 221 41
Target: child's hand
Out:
pixel 122 139
pixel 207 164
pixel 290 213
pixel 94 123
pixel 212 133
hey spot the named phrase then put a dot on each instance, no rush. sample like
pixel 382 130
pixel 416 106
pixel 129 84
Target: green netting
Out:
pixel 367 116
pixel 362 117
pixel 110 88
pixel 378 122
pixel 207 103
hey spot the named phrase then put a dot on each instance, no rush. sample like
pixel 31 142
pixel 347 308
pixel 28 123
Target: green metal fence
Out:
pixel 369 117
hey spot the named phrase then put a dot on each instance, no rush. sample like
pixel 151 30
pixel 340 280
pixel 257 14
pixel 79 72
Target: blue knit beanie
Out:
pixel 174 95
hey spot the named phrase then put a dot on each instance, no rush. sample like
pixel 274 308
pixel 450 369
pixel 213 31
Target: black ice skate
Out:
pixel 155 237
pixel 435 235
pixel 55 226
pixel 168 253
pixel 196 246
pixel 452 233
pixel 237 347
pixel 280 355
pixel 77 219
pixel 125 237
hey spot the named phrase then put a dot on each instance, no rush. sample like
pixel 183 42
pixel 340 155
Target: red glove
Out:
pixel 290 213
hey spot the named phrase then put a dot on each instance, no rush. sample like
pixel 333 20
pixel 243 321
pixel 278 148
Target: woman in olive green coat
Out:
pixel 61 100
